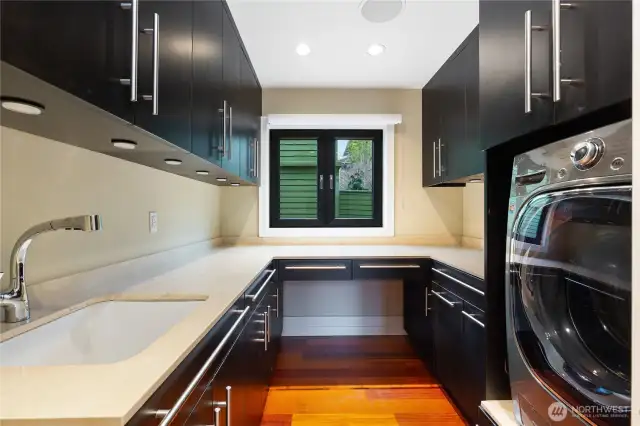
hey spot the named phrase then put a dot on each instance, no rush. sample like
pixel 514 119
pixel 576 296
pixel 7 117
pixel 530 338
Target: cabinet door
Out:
pixel 430 131
pixel 595 46
pixel 207 93
pixel 502 70
pixel 453 128
pixel 173 119
pixel 245 129
pixel 447 334
pixel 82 47
pixel 417 318
pixel 231 51
pixel 256 363
pixel 472 349
pixel 277 320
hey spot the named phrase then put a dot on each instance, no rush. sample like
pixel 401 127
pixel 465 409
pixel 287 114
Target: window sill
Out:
pixel 326 232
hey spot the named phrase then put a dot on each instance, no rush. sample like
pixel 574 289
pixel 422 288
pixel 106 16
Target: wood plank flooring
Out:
pixel 354 381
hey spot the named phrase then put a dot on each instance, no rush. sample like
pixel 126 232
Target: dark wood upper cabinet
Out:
pixel 595 46
pixel 450 144
pixel 172 121
pixel 86 57
pixel 207 98
pixel 593 41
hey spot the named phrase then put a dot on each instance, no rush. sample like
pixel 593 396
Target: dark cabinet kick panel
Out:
pixel 192 95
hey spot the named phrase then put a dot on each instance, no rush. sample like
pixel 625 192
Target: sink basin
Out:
pixel 101 333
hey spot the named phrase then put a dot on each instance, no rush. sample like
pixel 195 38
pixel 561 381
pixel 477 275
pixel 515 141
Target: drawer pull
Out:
pixel 168 415
pixel 398 266
pixel 473 318
pixel 226 405
pixel 318 268
pixel 448 302
pixel 459 282
pixel 264 285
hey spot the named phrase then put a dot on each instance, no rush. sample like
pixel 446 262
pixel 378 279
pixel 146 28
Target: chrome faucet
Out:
pixel 14 303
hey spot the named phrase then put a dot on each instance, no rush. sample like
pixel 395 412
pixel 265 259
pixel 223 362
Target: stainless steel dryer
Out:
pixel 569 280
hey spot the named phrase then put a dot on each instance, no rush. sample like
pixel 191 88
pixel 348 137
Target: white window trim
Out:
pixel 384 122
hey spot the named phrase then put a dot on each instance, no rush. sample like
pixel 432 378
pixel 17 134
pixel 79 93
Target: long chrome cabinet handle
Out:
pixel 426 301
pixel 473 318
pixel 277 296
pixel 155 31
pixel 216 417
pixel 254 297
pixel 269 323
pixel 528 61
pixel 434 158
pixel 399 266
pixel 224 404
pixel 167 416
pixel 555 66
pixel 256 157
pixel 230 132
pixel 133 80
pixel 266 330
pixel 319 268
pixel 459 282
pixel 556 7
pixel 223 148
pixel 448 302
pixel 439 158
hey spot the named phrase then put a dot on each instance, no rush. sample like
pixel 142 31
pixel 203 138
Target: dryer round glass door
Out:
pixel 570 284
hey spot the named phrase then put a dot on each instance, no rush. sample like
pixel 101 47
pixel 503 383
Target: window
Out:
pixel 325 178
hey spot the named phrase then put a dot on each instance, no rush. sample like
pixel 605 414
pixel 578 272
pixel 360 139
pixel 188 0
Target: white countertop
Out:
pixel 110 394
pixel 500 411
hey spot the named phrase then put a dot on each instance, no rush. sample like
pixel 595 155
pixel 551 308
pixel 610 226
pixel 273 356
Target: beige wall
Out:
pixel 473 215
pixel 42 180
pixel 430 216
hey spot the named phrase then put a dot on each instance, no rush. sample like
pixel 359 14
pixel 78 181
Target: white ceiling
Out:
pixel 417 42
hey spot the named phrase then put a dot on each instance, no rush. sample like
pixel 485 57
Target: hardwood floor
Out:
pixel 354 381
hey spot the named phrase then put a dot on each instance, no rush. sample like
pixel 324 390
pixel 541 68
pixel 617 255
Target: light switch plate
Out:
pixel 153 222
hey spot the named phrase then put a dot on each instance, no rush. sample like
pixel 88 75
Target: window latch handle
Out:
pixel 321 182
pixel 331 182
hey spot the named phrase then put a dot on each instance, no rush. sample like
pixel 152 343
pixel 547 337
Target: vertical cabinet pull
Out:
pixel 528 60
pixel 269 323
pixel 230 132
pixel 223 148
pixel 434 159
pixel 439 158
pixel 155 31
pixel 256 157
pixel 133 80
pixel 226 404
pixel 216 417
pixel 556 65
pixel 426 302
pixel 266 331
pixel 277 296
pixel 555 56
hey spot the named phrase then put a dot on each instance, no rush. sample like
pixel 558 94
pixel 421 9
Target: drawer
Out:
pixel 390 268
pixel 463 285
pixel 314 270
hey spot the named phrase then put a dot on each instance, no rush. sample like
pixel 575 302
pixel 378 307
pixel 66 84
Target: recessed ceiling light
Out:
pixel 202 172
pixel 173 161
pixel 22 106
pixel 376 49
pixel 235 184
pixel 379 11
pixel 221 179
pixel 124 143
pixel 303 49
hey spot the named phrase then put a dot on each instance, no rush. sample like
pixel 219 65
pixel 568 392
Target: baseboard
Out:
pixel 343 326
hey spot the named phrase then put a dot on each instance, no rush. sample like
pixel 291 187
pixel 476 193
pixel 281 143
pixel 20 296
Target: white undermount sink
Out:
pixel 101 333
